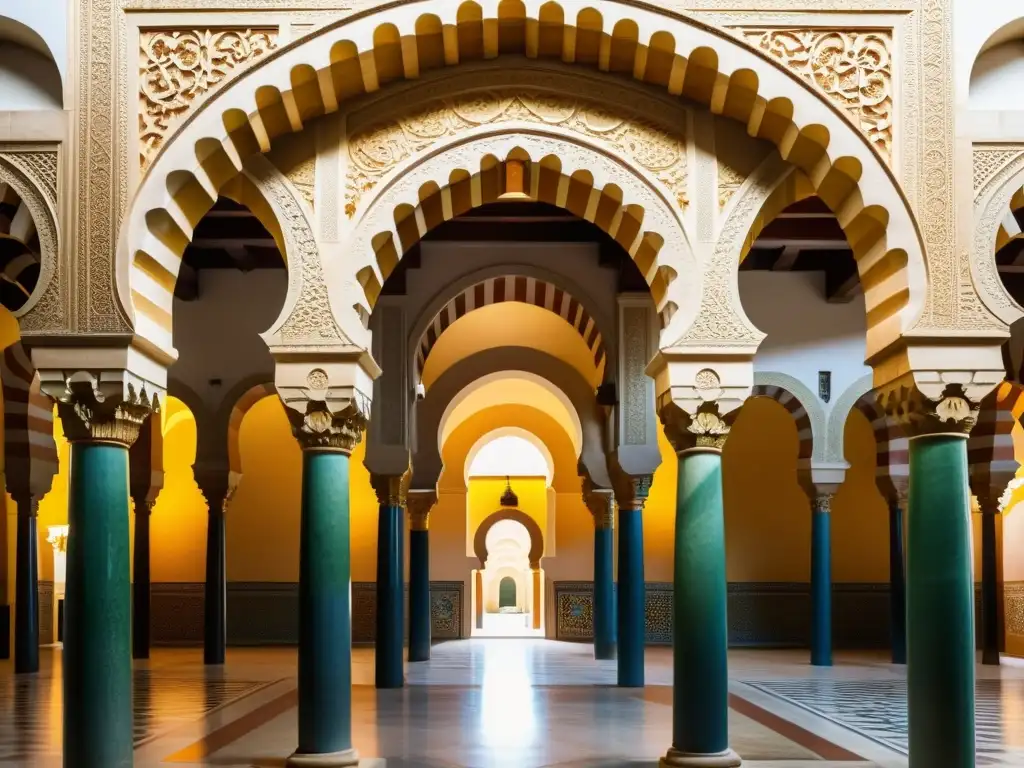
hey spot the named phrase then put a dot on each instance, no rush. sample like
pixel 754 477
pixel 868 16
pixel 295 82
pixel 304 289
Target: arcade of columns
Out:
pixel 684 199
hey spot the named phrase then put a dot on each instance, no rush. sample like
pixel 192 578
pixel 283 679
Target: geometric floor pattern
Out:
pixel 160 703
pixel 877 709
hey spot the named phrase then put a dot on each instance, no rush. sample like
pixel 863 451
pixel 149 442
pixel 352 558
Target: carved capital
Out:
pixel 28 505
pixel 391 490
pixel 631 491
pixel 949 411
pixel 215 483
pixel 823 502
pixel 419 504
pixel 705 429
pixel 321 428
pixel 100 406
pixel 598 501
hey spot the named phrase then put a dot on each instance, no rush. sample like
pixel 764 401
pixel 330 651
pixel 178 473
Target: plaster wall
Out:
pixel 46 18
pixel 805 333
pixel 217 335
pixel 28 80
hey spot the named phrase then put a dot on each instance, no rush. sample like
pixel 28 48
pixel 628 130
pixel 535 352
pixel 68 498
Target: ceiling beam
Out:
pixel 786 260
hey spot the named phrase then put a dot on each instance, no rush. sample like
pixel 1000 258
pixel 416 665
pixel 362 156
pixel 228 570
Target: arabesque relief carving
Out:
pixel 178 66
pixel 377 150
pixel 854 69
pixel 729 181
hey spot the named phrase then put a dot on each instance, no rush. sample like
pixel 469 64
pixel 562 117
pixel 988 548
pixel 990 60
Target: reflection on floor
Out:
pixel 515 703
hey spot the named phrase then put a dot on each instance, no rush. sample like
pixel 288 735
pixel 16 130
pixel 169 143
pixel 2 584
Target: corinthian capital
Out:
pixel 705 428
pixel 323 428
pixel 107 406
pixel 391 490
pixel 419 504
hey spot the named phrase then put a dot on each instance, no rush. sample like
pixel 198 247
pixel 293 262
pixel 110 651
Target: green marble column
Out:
pixel 940 605
pixel 991 519
pixel 700 686
pixel 215 587
pixel 141 581
pixel 897 584
pixel 600 505
pixel 97 617
pixel 631 496
pixel 325 593
pixel 419 504
pixel 821 581
pixel 26 586
pixel 391 496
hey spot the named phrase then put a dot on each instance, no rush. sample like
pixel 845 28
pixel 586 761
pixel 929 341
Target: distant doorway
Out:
pixel 508 588
pixel 506 593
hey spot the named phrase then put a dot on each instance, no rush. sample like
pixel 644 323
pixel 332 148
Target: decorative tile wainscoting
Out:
pixel 267 613
pixel 762 614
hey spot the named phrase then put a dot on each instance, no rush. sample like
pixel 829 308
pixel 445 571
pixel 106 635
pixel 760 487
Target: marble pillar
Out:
pixel 26 587
pixel 897 584
pixel 700 683
pixel 215 588
pixel 940 604
pixel 141 580
pixel 821 580
pixel 991 521
pixel 631 494
pixel 604 579
pixel 391 498
pixel 325 590
pixel 420 504
pixel 97 622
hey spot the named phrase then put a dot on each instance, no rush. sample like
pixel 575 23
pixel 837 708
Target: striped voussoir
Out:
pixel 892 449
pixel 241 407
pixel 29 449
pixel 796 409
pixel 523 289
pixel 990 454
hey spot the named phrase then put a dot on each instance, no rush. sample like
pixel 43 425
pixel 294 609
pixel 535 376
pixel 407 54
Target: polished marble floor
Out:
pixel 495 703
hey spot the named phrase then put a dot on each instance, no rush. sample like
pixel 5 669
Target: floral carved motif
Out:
pixel 178 66
pixel 375 151
pixel 729 181
pixel 854 69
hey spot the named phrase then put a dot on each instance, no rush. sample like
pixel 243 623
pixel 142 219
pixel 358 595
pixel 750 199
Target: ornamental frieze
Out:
pixel 852 68
pixel 376 151
pixel 178 66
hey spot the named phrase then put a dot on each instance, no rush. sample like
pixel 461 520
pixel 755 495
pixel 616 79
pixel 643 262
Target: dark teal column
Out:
pixel 325 613
pixel 97 654
pixel 632 590
pixel 419 576
pixel 940 605
pixel 604 583
pixel 897 586
pixel 990 634
pixel 215 589
pixel 821 581
pixel 389 672
pixel 700 685
pixel 141 580
pixel 26 588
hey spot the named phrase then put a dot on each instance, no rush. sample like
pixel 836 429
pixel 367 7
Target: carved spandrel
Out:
pixel 177 66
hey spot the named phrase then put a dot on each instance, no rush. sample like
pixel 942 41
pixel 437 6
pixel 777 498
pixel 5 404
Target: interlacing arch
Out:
pixel 30 453
pixel 248 394
pixel 796 409
pixel 892 449
pixel 320 72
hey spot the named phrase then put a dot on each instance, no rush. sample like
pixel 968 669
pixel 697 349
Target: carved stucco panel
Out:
pixel 635 382
pixel 852 68
pixel 988 161
pixel 46 310
pixel 179 66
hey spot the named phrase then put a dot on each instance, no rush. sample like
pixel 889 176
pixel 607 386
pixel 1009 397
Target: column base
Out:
pixel 990 658
pixel 677 759
pixel 344 759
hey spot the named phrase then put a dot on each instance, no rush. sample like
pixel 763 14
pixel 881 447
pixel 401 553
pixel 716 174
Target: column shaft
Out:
pixel 325 614
pixel 700 693
pixel 141 582
pixel 97 655
pixel 821 585
pixel 419 595
pixel 604 594
pixel 390 597
pixel 940 605
pixel 632 594
pixel 26 585
pixel 215 632
pixel 897 587
pixel 989 589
